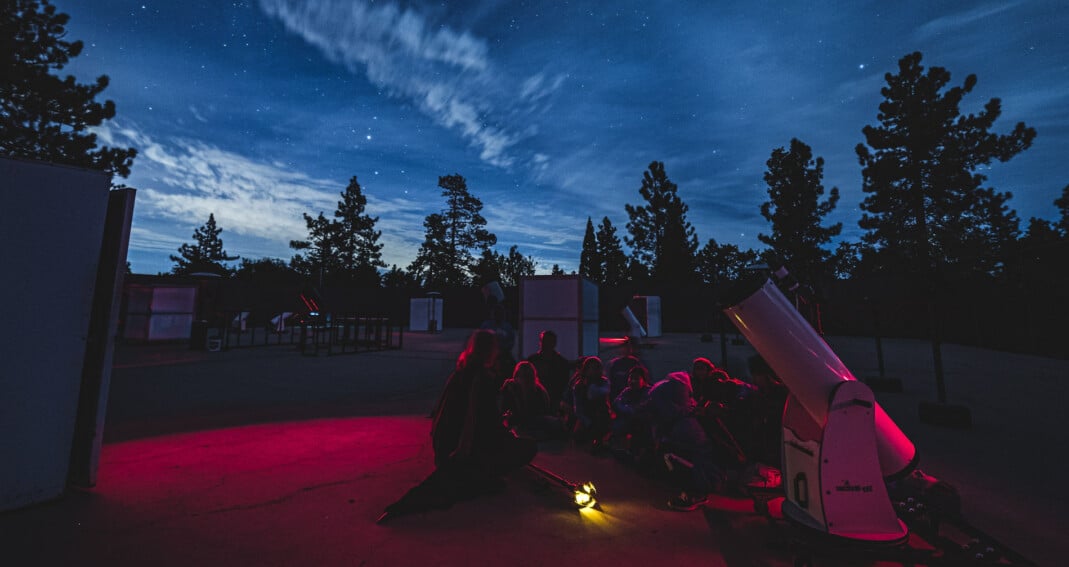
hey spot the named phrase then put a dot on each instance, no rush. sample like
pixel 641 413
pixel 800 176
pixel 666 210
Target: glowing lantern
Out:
pixel 584 495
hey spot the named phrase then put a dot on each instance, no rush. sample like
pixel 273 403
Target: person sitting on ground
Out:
pixel 620 367
pixel 630 428
pixel 766 413
pixel 552 367
pixel 467 434
pixel 682 440
pixel 525 405
pixel 472 447
pixel 593 417
pixel 723 410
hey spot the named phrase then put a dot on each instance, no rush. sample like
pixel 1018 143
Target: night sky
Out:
pixel 259 111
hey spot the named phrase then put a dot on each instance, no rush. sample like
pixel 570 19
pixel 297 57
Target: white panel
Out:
pixel 590 300
pixel 169 326
pixel 53 221
pixel 174 299
pixel 653 315
pixel 422 311
pixel 551 298
pixel 590 345
pixel 419 313
pixel 567 336
pixel 565 304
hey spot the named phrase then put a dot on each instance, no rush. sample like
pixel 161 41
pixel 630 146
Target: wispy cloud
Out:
pixel 444 72
pixel 183 181
pixel 951 22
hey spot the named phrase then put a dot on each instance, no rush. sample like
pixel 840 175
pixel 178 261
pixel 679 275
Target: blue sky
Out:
pixel 262 110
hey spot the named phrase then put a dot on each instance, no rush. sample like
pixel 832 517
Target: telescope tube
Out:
pixel 807 365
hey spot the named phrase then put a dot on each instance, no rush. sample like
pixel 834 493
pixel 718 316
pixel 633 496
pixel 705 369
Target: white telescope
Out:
pixel 833 429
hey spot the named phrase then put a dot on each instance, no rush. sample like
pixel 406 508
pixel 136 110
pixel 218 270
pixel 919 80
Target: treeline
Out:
pixel 928 218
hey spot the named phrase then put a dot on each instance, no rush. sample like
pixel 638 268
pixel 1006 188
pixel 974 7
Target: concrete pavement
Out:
pixel 264 457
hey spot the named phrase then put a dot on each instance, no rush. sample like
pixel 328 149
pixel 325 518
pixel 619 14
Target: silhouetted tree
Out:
pixel 445 258
pixel 515 267
pixel 42 116
pixel 614 267
pixel 846 260
pixel 487 268
pixel 359 250
pixel 795 211
pixel 1039 255
pixel 345 248
pixel 321 259
pixel 591 263
pixel 925 209
pixel 556 270
pixel 206 254
pixel 719 264
pixel 266 271
pixel 506 269
pixel 661 237
pixel 396 278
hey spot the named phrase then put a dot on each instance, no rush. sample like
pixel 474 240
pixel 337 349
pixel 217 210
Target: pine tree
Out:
pixel 556 270
pixel 795 211
pixel 206 255
pixel 321 260
pixel 515 267
pixel 612 254
pixel 591 264
pixel 344 249
pixel 445 258
pixel 41 115
pixel 925 210
pixel 396 278
pixel 662 240
pixel 720 264
pixel 433 267
pixel 357 241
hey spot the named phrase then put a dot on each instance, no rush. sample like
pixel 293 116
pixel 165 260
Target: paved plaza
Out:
pixel 262 456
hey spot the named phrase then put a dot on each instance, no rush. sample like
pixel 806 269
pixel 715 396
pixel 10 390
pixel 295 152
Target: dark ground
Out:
pixel 266 457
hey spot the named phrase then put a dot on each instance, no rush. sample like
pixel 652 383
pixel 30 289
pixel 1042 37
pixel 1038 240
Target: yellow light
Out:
pixel 584 495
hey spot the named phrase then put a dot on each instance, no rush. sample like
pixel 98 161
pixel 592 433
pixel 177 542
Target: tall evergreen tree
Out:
pixel 344 249
pixel 433 265
pixel 506 269
pixel 396 278
pixel 41 115
pixel 488 268
pixel 515 267
pixel 720 264
pixel 662 240
pixel 445 258
pixel 359 250
pixel 321 261
pixel 925 209
pixel 556 270
pixel 205 255
pixel 614 260
pixel 268 271
pixel 795 211
pixel 591 264
pixel 1039 255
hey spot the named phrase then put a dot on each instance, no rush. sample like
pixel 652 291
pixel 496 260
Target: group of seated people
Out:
pixel 705 425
